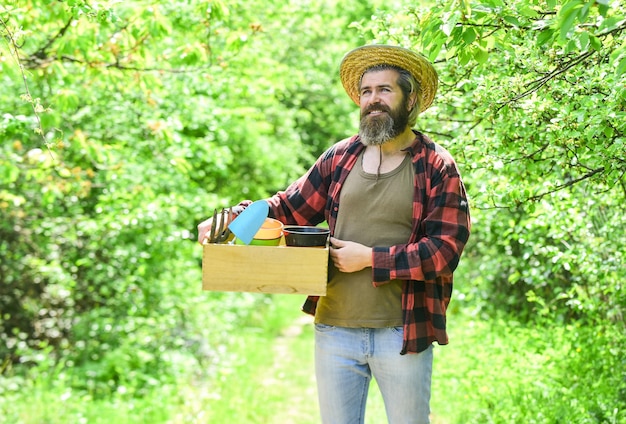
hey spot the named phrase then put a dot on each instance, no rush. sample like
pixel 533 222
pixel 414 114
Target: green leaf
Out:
pixel 469 35
pixel 610 24
pixel 67 100
pixel 464 57
pixel 595 42
pixel 603 8
pixel 583 40
pixel 621 67
pixel 481 55
pixel 545 36
pixel 218 10
pixel 450 21
pixel 527 11
pixel 512 20
pixel 618 59
pixel 584 11
pixel 8 173
pixel 570 47
pixel 567 15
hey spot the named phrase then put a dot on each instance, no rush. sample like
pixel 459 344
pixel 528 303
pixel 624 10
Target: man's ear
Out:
pixel 412 101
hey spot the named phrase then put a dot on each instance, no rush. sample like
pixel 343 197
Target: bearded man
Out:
pixel 399 219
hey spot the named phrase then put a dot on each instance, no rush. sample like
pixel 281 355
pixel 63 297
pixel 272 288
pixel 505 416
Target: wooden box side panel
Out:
pixel 265 269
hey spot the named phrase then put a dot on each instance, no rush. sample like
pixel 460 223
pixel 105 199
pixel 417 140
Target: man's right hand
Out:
pixel 204 227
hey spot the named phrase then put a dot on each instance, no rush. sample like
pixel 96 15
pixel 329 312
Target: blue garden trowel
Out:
pixel 248 222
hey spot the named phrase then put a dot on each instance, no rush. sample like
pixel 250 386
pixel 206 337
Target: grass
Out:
pixel 272 380
pixel 498 371
pixel 493 371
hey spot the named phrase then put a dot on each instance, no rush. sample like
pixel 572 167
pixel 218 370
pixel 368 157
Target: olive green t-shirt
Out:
pixel 374 211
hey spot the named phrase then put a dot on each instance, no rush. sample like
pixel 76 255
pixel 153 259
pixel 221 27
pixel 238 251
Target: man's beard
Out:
pixel 379 129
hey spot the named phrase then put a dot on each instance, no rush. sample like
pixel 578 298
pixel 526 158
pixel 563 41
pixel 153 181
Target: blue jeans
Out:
pixel 346 359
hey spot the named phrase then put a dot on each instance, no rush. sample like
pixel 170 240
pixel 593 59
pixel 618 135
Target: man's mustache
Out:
pixel 378 106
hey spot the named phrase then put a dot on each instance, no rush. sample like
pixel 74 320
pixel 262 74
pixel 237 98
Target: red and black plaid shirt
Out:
pixel 441 225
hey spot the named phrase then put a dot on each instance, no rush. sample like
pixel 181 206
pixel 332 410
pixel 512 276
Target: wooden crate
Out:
pixel 265 269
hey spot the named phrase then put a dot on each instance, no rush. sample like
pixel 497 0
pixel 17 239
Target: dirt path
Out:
pixel 301 405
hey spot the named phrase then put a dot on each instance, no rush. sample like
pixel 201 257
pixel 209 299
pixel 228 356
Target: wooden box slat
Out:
pixel 265 269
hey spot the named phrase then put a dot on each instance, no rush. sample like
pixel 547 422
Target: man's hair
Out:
pixel 408 84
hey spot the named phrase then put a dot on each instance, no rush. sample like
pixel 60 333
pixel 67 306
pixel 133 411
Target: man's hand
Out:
pixel 204 227
pixel 349 256
pixel 203 230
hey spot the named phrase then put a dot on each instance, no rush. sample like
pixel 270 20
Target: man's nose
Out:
pixel 375 97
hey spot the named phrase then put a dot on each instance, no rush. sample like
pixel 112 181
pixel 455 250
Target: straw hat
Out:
pixel 359 60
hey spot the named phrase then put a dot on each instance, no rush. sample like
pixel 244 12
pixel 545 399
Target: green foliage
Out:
pixel 532 100
pixel 531 103
pixel 502 371
pixel 125 123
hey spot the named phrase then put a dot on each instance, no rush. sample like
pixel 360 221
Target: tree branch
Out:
pixel 15 52
pixel 538 83
pixel 42 53
pixel 118 65
pixel 567 184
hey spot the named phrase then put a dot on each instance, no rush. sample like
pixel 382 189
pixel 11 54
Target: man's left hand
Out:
pixel 349 256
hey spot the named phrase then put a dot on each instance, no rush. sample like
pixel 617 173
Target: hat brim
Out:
pixel 359 60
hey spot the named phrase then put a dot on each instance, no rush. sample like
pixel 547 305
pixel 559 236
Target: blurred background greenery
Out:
pixel 125 123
